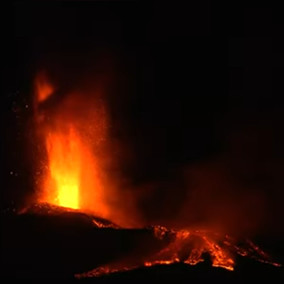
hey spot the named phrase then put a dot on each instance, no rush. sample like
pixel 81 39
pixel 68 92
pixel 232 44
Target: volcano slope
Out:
pixel 48 242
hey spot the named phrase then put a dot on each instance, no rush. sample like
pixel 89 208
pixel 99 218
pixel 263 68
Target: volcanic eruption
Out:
pixel 73 133
pixel 72 177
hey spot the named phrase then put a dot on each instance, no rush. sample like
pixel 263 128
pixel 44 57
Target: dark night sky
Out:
pixel 195 76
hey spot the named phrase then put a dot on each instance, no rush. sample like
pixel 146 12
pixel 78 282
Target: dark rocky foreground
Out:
pixel 59 245
pixel 182 273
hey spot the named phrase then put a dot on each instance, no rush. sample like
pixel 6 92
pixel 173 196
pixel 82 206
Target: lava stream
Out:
pixel 189 247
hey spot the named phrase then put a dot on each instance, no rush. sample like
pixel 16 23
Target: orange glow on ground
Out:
pixel 188 247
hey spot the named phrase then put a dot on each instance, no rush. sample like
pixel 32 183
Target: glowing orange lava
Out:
pixel 189 247
pixel 71 176
pixel 65 163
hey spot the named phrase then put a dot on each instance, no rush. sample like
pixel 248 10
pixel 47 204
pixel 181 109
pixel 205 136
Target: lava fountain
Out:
pixel 65 153
pixel 69 134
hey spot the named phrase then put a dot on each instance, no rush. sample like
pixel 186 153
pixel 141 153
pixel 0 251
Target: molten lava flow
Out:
pixel 189 247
